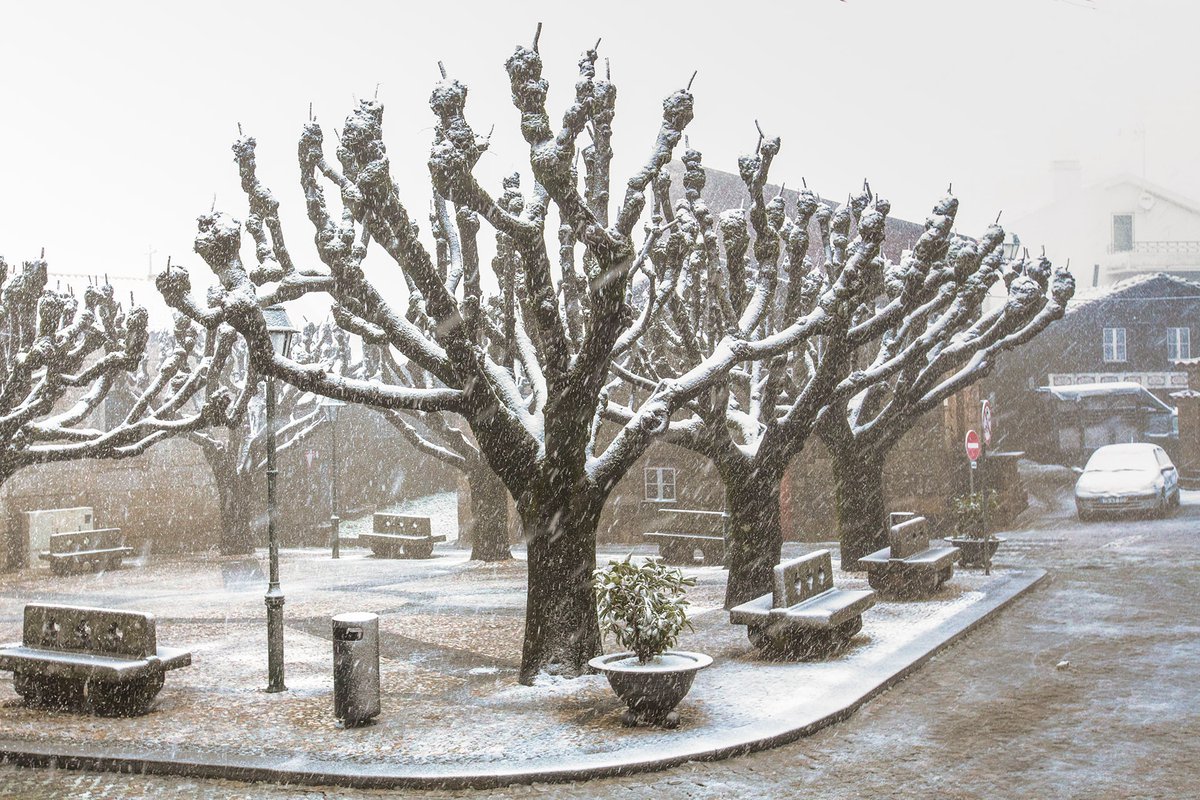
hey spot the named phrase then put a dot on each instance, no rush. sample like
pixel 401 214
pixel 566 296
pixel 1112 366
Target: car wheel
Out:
pixel 1084 516
pixel 1176 500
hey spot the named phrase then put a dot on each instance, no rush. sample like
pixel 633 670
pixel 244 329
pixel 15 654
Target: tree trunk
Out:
pixel 861 504
pixel 561 628
pixel 488 527
pixel 755 540
pixel 237 512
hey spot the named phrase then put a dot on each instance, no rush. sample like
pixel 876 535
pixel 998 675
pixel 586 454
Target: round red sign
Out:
pixel 972 446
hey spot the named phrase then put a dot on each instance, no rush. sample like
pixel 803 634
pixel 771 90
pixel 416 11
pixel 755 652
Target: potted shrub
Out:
pixel 968 527
pixel 643 607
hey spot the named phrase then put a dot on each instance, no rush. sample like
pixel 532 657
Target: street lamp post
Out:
pixel 330 408
pixel 280 328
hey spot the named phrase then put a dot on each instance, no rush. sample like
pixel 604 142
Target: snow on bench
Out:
pixel 82 551
pixel 72 656
pixel 908 566
pixel 400 536
pixel 805 616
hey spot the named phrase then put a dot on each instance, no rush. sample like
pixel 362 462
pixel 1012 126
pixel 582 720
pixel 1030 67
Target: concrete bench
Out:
pixel 398 536
pixel 102 659
pixel 805 616
pixel 86 551
pixel 698 531
pixel 908 566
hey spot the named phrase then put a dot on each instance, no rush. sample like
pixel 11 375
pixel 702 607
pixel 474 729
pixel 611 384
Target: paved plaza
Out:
pixel 1083 688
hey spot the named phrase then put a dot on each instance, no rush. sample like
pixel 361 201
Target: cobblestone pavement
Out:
pixel 1084 689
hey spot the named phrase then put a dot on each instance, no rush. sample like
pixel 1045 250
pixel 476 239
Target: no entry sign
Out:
pixel 972 446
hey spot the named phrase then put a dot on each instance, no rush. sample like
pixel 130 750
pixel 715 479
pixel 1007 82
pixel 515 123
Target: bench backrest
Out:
pixel 99 539
pixel 89 630
pixel 398 523
pixel 909 538
pixel 801 578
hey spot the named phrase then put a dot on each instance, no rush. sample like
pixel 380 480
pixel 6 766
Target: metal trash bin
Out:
pixel 355 667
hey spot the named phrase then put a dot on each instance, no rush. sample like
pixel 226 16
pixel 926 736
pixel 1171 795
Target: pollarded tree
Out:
pixel 536 417
pixel 60 360
pixel 764 413
pixel 942 347
pixel 236 451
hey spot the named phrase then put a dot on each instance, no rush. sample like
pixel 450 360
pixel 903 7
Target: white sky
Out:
pixel 119 115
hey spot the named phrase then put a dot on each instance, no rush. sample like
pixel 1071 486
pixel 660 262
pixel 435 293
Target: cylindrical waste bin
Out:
pixel 355 667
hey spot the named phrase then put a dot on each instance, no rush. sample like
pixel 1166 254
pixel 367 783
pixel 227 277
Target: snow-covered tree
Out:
pixel 872 326
pixel 940 347
pixel 60 360
pixel 533 400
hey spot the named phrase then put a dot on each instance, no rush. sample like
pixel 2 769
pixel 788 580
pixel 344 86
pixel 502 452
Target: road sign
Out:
pixel 972 446
pixel 986 414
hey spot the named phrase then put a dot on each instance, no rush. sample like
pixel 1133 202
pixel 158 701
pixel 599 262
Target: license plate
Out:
pixel 1112 501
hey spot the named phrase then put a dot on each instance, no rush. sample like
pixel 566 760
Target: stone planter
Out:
pixel 651 690
pixel 972 549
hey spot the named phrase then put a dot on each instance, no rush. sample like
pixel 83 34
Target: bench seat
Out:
pixel 828 609
pixel 679 547
pixel 401 545
pixel 83 554
pixel 934 558
pixel 15 657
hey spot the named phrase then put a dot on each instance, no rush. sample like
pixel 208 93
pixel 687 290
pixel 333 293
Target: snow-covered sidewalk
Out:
pixel 451 638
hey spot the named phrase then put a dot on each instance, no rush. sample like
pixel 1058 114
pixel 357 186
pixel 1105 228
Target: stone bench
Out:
pixel 92 658
pixel 398 536
pixel 908 566
pixel 698 531
pixel 805 616
pixel 86 551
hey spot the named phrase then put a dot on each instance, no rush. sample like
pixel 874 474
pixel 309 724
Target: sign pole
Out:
pixel 986 420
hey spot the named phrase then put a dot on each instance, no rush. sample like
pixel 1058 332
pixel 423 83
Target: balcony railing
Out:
pixel 1161 248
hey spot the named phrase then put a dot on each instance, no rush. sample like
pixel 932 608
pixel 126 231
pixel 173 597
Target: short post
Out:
pixel 983 511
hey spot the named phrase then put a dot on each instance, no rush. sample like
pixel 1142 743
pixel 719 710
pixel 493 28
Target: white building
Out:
pixel 1114 229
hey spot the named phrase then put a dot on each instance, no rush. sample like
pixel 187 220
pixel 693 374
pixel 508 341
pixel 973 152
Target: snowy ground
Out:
pixel 451 637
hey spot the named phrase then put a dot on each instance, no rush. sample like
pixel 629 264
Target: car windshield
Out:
pixel 1120 459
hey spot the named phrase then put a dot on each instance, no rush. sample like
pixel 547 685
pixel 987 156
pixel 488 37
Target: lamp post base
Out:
pixel 274 601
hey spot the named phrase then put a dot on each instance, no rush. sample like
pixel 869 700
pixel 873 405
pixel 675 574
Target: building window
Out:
pixel 1114 344
pixel 1122 233
pixel 1179 344
pixel 660 484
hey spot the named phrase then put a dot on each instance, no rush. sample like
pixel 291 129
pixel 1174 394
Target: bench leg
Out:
pixel 418 549
pixel 675 553
pixel 47 691
pixel 124 699
pixel 803 645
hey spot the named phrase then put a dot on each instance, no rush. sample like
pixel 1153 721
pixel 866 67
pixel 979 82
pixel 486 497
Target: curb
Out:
pixel 302 770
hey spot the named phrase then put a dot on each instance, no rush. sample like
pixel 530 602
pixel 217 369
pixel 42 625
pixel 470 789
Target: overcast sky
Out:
pixel 119 116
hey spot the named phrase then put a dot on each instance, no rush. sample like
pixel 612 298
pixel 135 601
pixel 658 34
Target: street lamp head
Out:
pixel 1012 247
pixel 280 329
pixel 330 408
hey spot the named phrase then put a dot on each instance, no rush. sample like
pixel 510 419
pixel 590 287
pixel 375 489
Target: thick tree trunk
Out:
pixel 755 541
pixel 237 512
pixel 561 628
pixel 861 504
pixel 488 527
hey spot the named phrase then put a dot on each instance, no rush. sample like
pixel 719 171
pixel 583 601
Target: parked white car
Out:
pixel 1127 477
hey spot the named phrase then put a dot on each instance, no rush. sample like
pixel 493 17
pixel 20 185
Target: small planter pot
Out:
pixel 651 690
pixel 972 549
